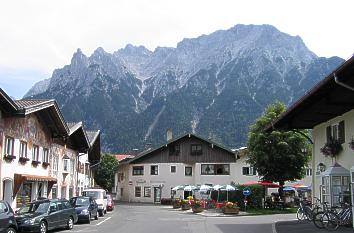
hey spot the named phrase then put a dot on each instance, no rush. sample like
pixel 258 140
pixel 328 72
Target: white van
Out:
pixel 101 199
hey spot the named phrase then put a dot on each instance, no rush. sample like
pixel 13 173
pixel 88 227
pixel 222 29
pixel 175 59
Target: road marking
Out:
pixel 103 221
pixel 274 230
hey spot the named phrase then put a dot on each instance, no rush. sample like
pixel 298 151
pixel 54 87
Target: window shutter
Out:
pixel 341 133
pixel 328 133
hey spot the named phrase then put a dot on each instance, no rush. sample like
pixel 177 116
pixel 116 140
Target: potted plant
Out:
pixel 196 206
pixel 351 143
pixel 332 148
pixel 176 203
pixel 185 205
pixel 230 208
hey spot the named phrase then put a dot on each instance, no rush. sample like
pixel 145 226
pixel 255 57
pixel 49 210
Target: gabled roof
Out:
pixel 328 99
pixel 6 103
pixel 149 151
pixel 48 110
pixel 120 158
pixel 94 153
pixel 78 136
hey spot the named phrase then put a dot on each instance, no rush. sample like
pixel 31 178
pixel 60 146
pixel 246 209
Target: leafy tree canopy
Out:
pixel 104 174
pixel 278 156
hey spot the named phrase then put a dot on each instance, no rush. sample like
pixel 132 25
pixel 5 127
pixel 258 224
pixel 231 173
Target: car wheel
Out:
pixel 10 230
pixel 105 211
pixel 43 227
pixel 101 213
pixel 70 223
pixel 96 216
pixel 89 219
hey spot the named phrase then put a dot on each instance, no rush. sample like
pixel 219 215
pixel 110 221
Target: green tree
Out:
pixel 278 156
pixel 104 174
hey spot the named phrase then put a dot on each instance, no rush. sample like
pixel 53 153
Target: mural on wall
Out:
pixel 28 129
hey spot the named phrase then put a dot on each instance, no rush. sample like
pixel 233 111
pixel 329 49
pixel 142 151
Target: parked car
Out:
pixel 110 203
pixel 86 208
pixel 100 196
pixel 7 218
pixel 44 215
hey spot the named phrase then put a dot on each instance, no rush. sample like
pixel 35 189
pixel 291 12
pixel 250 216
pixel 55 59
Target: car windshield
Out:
pixel 80 201
pixel 95 194
pixel 38 207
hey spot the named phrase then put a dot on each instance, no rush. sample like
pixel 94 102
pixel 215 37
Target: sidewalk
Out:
pixel 206 213
pixel 304 227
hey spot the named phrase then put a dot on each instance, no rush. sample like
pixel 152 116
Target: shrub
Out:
pixel 166 201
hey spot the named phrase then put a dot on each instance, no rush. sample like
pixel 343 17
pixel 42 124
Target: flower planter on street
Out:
pixel 234 210
pixel 197 209
pixel 185 207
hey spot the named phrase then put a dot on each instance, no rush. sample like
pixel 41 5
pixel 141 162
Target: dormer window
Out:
pixel 196 149
pixel 174 149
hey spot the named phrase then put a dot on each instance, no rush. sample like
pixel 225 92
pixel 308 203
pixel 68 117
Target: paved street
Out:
pixel 139 218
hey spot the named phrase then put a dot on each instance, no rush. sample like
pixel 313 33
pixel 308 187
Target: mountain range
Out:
pixel 215 85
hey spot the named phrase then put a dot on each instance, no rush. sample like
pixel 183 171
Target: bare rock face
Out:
pixel 215 85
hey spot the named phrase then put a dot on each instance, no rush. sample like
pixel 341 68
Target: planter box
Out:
pixel 197 209
pixel 185 207
pixel 176 205
pixel 231 210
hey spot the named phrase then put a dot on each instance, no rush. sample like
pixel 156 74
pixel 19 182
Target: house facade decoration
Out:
pixel 38 151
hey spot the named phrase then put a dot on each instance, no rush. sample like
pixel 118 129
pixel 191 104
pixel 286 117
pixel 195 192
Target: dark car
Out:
pixel 44 215
pixel 86 208
pixel 110 203
pixel 7 218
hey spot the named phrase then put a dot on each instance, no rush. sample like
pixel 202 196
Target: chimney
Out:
pixel 169 135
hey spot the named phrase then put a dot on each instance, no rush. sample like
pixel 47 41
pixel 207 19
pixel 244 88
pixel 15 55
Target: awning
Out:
pixel 20 178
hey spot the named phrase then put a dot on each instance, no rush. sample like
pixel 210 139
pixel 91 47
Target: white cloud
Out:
pixel 42 35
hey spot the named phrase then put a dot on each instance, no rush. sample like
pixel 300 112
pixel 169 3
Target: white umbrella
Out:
pixel 217 187
pixel 228 188
pixel 178 187
pixel 189 188
pixel 205 188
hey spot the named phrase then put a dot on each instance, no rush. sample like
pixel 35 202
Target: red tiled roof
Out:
pixel 122 157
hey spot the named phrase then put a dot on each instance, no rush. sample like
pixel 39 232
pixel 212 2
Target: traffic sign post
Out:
pixel 246 192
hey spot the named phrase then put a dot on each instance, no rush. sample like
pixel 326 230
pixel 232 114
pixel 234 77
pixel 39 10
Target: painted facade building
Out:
pixel 189 159
pixel 38 151
pixel 328 109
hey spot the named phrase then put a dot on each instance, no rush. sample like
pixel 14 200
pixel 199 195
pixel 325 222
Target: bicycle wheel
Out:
pixel 308 213
pixel 300 214
pixel 330 221
pixel 317 219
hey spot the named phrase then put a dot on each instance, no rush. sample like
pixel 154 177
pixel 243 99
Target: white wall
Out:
pixel 345 158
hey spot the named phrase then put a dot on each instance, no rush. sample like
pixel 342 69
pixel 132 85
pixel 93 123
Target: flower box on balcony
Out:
pixel 35 163
pixel 23 159
pixel 9 157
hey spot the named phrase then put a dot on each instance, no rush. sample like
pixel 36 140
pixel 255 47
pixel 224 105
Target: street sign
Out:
pixel 246 191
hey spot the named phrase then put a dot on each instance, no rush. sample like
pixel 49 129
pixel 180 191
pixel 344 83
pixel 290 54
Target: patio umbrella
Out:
pixel 189 188
pixel 228 188
pixel 217 188
pixel 205 188
pixel 262 183
pixel 288 189
pixel 178 187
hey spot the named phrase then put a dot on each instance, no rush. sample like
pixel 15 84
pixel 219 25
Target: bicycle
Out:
pixel 305 212
pixel 334 219
pixel 317 218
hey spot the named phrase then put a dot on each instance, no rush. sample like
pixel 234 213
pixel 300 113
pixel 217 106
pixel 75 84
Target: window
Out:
pixel 137 191
pixel 336 132
pixel 173 169
pixel 72 167
pixel 45 158
pixel 66 165
pixel 154 170
pixel 196 149
pixel 245 171
pixel 138 170
pixel 147 191
pixel 9 146
pixel 23 149
pixel 120 176
pixel 215 169
pixel 35 153
pixel 55 164
pixel 308 171
pixel 188 171
pixel 174 149
pixel 249 171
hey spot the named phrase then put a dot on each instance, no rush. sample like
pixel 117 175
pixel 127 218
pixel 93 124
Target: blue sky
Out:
pixel 38 36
